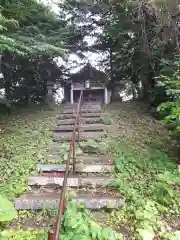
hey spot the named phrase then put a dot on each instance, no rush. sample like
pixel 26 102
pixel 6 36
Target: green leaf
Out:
pixel 65 157
pixel 92 143
pixel 7 210
pixel 174 236
pixel 168 178
pixel 105 234
pixel 78 151
pixel 146 234
pixel 64 146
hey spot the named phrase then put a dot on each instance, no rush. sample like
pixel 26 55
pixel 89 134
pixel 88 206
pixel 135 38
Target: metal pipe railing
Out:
pixel 55 235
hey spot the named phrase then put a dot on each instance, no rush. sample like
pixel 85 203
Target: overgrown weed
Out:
pixel 147 176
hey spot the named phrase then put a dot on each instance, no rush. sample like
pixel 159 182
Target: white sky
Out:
pixel 76 63
pixel 52 4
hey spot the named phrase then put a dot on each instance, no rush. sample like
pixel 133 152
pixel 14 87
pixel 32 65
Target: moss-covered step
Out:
pixel 93 147
pixel 83 128
pixel 79 167
pixel 38 201
pixel 72 181
pixel 73 115
pixel 82 121
pixel 61 136
pixel 83 110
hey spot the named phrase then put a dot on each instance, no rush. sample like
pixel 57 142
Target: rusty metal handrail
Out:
pixel 61 208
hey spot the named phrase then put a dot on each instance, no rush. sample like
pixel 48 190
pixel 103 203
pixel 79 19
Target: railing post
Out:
pixel 50 236
pixel 78 128
pixel 74 155
pixel 79 116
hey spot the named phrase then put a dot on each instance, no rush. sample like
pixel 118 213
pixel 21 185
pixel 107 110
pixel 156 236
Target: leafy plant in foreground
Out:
pixel 78 225
pixel 147 186
pixel 7 210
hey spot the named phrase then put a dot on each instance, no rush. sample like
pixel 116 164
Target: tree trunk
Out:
pixel 145 85
pixel 112 76
pixel 133 90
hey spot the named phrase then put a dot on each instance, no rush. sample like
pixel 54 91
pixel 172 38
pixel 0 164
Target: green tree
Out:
pixel 30 27
pixel 31 36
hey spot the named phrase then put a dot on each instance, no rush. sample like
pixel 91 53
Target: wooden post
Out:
pixel 105 96
pixel 74 155
pixel 72 94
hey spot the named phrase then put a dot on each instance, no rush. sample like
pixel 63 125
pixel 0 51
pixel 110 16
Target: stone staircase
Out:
pixel 88 185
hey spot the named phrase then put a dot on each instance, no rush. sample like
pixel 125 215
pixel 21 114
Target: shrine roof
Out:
pixel 88 72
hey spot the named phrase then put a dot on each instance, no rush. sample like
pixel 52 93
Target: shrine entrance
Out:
pixel 90 95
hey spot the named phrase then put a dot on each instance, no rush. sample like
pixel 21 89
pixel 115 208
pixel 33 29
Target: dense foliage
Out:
pixel 31 36
pixel 146 51
pixel 30 27
pixel 25 78
pixel 170 110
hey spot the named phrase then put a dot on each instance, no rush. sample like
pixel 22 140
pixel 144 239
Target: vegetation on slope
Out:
pixel 24 138
pixel 146 174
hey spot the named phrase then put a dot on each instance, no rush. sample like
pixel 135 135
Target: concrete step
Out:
pixel 95 159
pixel 82 128
pixel 79 168
pixel 38 201
pixel 76 181
pixel 82 120
pixel 83 115
pixel 55 155
pixel 99 148
pixel 91 106
pixel 83 110
pixel 57 148
pixel 67 136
